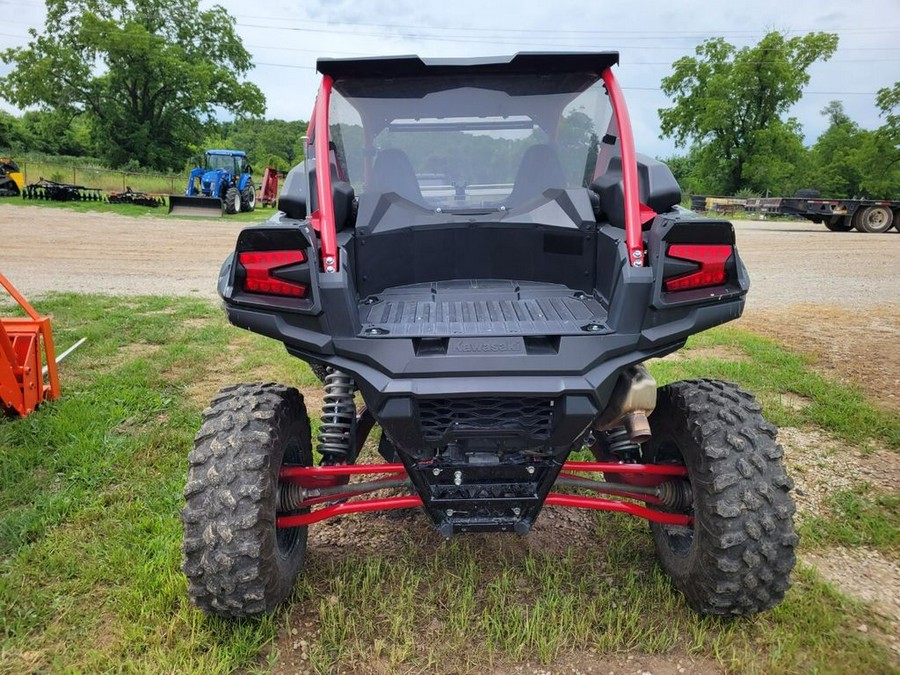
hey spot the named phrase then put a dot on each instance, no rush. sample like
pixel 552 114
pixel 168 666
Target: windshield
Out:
pixel 227 162
pixel 463 143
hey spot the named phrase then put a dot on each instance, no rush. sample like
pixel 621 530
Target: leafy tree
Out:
pixel 888 101
pixel 147 74
pixel 834 159
pixel 880 154
pixel 266 142
pixel 730 103
pixel 11 136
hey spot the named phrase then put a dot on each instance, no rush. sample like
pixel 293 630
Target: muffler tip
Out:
pixel 638 427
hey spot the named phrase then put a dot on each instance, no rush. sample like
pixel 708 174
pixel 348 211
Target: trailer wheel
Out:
pixel 236 561
pixel 737 556
pixel 839 224
pixel 873 219
pixel 232 201
pixel 248 198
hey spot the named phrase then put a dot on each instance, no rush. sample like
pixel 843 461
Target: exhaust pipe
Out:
pixel 637 426
pixel 632 399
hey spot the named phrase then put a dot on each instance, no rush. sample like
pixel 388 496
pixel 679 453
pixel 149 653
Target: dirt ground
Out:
pixel 831 295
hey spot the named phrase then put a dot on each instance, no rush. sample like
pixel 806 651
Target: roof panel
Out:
pixel 521 63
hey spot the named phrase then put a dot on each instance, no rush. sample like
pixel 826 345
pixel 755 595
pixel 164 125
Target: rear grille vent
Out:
pixel 497 416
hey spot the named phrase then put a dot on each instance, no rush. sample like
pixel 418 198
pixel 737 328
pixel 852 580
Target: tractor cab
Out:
pixel 231 161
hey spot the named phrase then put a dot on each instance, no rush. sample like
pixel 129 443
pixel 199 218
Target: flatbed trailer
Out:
pixel 838 215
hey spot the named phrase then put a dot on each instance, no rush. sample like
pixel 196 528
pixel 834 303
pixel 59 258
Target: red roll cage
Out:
pixel 323 217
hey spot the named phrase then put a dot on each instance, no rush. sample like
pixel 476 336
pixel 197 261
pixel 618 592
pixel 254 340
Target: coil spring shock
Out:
pixel 620 445
pixel 338 418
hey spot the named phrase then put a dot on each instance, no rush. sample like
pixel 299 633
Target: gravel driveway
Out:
pixel 47 249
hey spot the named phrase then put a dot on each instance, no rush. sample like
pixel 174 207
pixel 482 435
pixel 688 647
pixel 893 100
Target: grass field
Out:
pixel 131 210
pixel 90 490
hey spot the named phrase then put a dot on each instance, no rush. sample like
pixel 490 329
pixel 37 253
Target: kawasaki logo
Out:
pixel 487 346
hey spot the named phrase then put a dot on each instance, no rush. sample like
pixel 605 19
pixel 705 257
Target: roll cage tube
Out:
pixel 323 217
pixel 633 240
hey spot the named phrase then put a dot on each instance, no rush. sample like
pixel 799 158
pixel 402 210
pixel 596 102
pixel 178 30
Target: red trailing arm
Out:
pixel 314 477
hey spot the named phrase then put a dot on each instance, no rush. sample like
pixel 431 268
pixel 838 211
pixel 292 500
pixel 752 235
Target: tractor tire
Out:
pixel 873 219
pixel 248 198
pixel 232 201
pixel 737 557
pixel 237 563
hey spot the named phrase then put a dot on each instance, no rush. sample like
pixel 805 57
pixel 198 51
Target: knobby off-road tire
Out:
pixel 236 562
pixel 232 201
pixel 737 557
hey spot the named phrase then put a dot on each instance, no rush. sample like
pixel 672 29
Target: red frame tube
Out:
pixel 406 502
pixel 323 217
pixel 300 472
pixel 615 467
pixel 633 240
pixel 600 504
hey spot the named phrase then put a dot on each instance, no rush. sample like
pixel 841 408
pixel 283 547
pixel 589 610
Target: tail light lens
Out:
pixel 261 267
pixel 711 259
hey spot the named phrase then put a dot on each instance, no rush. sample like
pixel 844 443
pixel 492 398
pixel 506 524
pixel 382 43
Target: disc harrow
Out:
pixel 61 192
pixel 129 196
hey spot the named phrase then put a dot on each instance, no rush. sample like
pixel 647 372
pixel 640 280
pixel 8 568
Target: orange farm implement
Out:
pixel 25 343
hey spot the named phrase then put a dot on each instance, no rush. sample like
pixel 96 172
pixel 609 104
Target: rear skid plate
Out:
pixel 182 205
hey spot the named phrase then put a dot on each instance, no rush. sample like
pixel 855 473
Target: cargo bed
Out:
pixel 479 307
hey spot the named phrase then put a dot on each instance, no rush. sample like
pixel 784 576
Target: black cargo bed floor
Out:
pixel 482 308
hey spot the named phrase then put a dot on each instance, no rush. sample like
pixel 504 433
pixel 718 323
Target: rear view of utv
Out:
pixel 474 253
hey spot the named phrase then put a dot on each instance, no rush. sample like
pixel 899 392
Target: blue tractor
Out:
pixel 222 183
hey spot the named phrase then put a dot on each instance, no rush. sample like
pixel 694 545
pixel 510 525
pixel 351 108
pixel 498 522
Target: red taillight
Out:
pixel 710 257
pixel 259 266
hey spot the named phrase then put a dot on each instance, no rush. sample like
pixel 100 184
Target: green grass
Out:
pixel 857 518
pixel 90 489
pixel 130 210
pixel 771 372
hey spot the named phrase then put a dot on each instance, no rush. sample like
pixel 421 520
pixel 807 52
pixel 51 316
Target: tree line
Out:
pixel 729 112
pixel 145 83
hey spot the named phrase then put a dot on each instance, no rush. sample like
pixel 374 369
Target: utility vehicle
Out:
pixel 474 248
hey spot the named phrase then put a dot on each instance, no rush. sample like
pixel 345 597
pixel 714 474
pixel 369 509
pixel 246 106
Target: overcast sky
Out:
pixel 285 39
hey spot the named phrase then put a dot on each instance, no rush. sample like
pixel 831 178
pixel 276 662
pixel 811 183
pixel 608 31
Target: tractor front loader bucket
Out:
pixel 24 344
pixel 182 205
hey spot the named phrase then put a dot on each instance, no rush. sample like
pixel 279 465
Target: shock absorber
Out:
pixel 620 445
pixel 338 418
